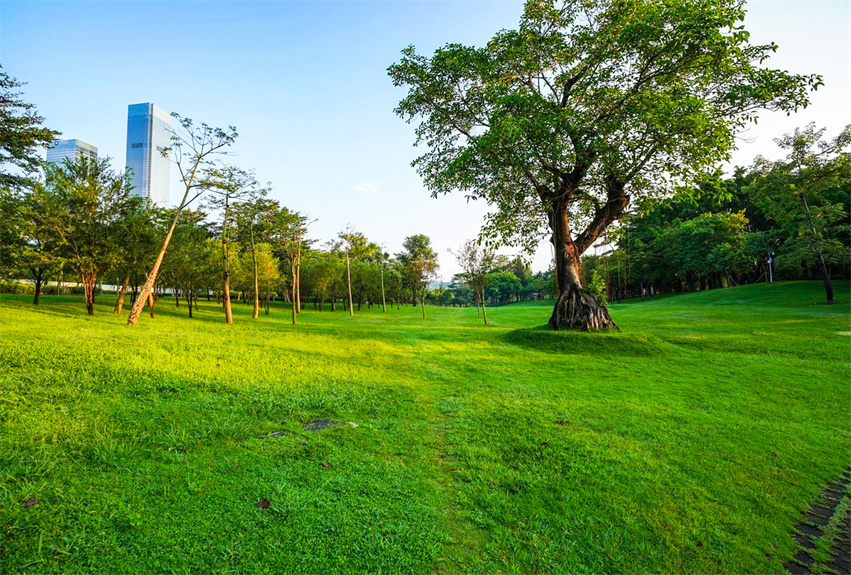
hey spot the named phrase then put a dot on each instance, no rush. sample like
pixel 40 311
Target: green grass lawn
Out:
pixel 689 442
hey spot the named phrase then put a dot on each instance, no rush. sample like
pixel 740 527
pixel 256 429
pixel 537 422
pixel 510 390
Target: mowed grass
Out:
pixel 692 441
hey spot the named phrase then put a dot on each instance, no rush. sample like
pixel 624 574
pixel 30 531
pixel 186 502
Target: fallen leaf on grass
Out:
pixel 263 504
pixel 544 444
pixel 562 422
pixel 327 464
pixel 30 502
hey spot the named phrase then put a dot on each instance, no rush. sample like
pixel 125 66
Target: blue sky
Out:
pixel 305 84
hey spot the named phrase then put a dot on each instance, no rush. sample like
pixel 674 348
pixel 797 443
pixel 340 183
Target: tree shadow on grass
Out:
pixel 613 344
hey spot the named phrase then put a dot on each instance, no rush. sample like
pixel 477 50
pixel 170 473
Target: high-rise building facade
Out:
pixel 61 149
pixel 148 134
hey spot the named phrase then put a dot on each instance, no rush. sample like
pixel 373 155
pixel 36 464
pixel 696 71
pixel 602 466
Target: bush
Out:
pixel 78 290
pixel 20 288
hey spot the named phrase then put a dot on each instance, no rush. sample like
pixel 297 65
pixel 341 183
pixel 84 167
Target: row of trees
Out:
pixel 81 222
pixel 782 219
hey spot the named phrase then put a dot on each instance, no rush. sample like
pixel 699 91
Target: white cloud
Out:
pixel 367 187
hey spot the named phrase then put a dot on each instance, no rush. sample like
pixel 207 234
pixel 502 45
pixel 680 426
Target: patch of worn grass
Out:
pixel 689 442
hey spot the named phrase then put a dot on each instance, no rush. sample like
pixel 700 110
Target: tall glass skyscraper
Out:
pixel 148 134
pixel 61 149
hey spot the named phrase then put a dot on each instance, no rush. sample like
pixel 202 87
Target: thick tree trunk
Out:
pixel 119 303
pixel 575 307
pixel 37 292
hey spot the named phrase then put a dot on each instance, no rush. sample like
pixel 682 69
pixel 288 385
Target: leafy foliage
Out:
pixel 21 134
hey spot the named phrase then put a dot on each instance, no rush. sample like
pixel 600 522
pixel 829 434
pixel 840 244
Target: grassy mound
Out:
pixel 691 441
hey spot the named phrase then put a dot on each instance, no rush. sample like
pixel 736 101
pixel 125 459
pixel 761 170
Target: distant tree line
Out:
pixel 780 220
pixel 81 224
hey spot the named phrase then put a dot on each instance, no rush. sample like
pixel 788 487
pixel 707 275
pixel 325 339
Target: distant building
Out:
pixel 148 134
pixel 62 149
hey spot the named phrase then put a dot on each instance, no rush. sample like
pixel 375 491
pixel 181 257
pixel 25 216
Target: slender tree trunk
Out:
pixel 89 280
pixel 38 283
pixel 225 270
pixel 825 275
pixel 59 283
pixel 298 276
pixel 38 277
pixel 293 284
pixel 256 279
pixel 177 297
pixel 575 308
pixel 151 303
pixel 349 275
pixel 484 311
pixel 383 300
pixel 119 304
pixel 188 294
pixel 422 303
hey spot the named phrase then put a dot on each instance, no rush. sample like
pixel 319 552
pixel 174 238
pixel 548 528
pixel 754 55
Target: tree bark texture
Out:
pixel 89 280
pixel 119 303
pixel 575 307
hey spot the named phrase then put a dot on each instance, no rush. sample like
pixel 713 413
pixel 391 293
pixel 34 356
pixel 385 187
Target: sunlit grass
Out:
pixel 691 441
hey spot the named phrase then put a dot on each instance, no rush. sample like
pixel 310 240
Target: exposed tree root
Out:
pixel 577 309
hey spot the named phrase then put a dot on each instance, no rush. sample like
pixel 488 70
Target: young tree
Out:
pixel 419 265
pixel 287 235
pixel 21 133
pixel 807 193
pixel 227 185
pixel 588 105
pixel 253 218
pixel 476 261
pixel 88 202
pixel 191 148
pixel 268 273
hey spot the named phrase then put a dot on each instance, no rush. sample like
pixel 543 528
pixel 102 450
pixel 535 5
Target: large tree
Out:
pixel 21 134
pixel 587 106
